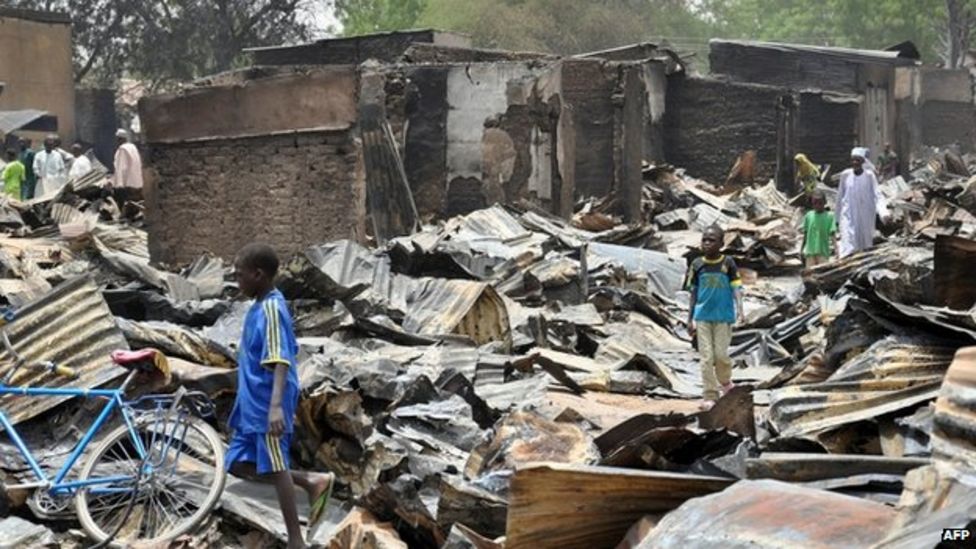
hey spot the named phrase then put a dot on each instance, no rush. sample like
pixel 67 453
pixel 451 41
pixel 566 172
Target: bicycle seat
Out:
pixel 146 360
pixel 143 358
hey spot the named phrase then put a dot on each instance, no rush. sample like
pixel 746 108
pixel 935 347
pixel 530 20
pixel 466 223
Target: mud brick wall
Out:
pixel 290 191
pixel 588 85
pixel 708 123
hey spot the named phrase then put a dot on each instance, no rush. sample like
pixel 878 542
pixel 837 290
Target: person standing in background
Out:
pixel 127 181
pixel 30 178
pixel 888 163
pixel 50 169
pixel 13 174
pixel 807 176
pixel 81 165
pixel 819 229
pixel 858 203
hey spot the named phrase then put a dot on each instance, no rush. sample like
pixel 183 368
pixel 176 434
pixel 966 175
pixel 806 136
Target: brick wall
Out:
pixel 709 123
pixel 290 191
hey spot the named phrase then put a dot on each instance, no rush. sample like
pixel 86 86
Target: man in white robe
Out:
pixel 50 168
pixel 858 201
pixel 81 166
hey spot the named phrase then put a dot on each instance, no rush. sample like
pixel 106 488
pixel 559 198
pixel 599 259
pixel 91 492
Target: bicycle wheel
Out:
pixel 180 487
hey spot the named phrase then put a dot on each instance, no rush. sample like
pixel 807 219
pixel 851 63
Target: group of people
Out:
pixel 713 278
pixel 28 174
pixel 859 203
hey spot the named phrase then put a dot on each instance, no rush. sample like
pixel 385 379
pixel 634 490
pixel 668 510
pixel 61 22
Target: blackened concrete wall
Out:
pixel 96 122
pixel 708 123
pixel 945 108
pixel 827 128
pixel 384 47
pixel 588 86
pixel 481 133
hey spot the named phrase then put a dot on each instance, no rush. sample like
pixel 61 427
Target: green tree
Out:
pixel 368 16
pixel 845 23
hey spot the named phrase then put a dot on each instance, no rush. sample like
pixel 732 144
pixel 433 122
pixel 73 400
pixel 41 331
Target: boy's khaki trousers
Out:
pixel 714 339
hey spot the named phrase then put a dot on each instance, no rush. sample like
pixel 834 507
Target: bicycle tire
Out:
pixel 121 436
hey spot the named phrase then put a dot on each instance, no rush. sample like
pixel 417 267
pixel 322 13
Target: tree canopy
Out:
pixel 572 26
pixel 165 42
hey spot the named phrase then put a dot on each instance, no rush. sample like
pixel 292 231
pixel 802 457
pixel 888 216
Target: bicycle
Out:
pixel 152 479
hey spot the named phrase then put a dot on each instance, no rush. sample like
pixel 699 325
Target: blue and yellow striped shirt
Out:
pixel 268 339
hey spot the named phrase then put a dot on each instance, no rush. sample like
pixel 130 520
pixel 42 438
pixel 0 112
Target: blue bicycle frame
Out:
pixel 57 486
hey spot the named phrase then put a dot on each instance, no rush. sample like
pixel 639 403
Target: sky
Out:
pixel 322 17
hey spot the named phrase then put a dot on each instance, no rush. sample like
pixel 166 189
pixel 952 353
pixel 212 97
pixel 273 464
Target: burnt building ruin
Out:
pixel 365 137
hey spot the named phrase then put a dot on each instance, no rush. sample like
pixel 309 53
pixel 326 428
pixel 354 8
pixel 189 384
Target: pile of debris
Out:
pixel 507 378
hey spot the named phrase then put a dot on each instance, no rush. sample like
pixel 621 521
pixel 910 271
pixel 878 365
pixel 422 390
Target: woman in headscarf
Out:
pixel 807 175
pixel 858 201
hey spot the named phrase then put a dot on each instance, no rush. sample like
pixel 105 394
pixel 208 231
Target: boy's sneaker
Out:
pixel 706 405
pixel 727 387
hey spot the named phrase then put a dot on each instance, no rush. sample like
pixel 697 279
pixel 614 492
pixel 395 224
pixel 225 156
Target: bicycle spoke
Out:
pixel 181 469
pixel 158 518
pixel 163 506
pixel 116 501
pixel 178 502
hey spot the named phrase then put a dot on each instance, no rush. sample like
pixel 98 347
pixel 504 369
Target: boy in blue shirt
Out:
pixel 267 394
pixel 716 304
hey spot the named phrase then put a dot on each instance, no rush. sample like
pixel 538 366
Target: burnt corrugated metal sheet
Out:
pixel 664 273
pixel 893 374
pixel 27 119
pixel 955 417
pixel 847 54
pixel 71 326
pixel 942 496
pixel 438 306
pixel 771 514
pixel 91 180
pixel 829 277
pixel 810 467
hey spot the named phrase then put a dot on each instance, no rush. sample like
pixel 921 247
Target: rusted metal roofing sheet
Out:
pixel 583 507
pixel 893 374
pixel 943 496
pixel 758 514
pixel 71 326
pixel 955 417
